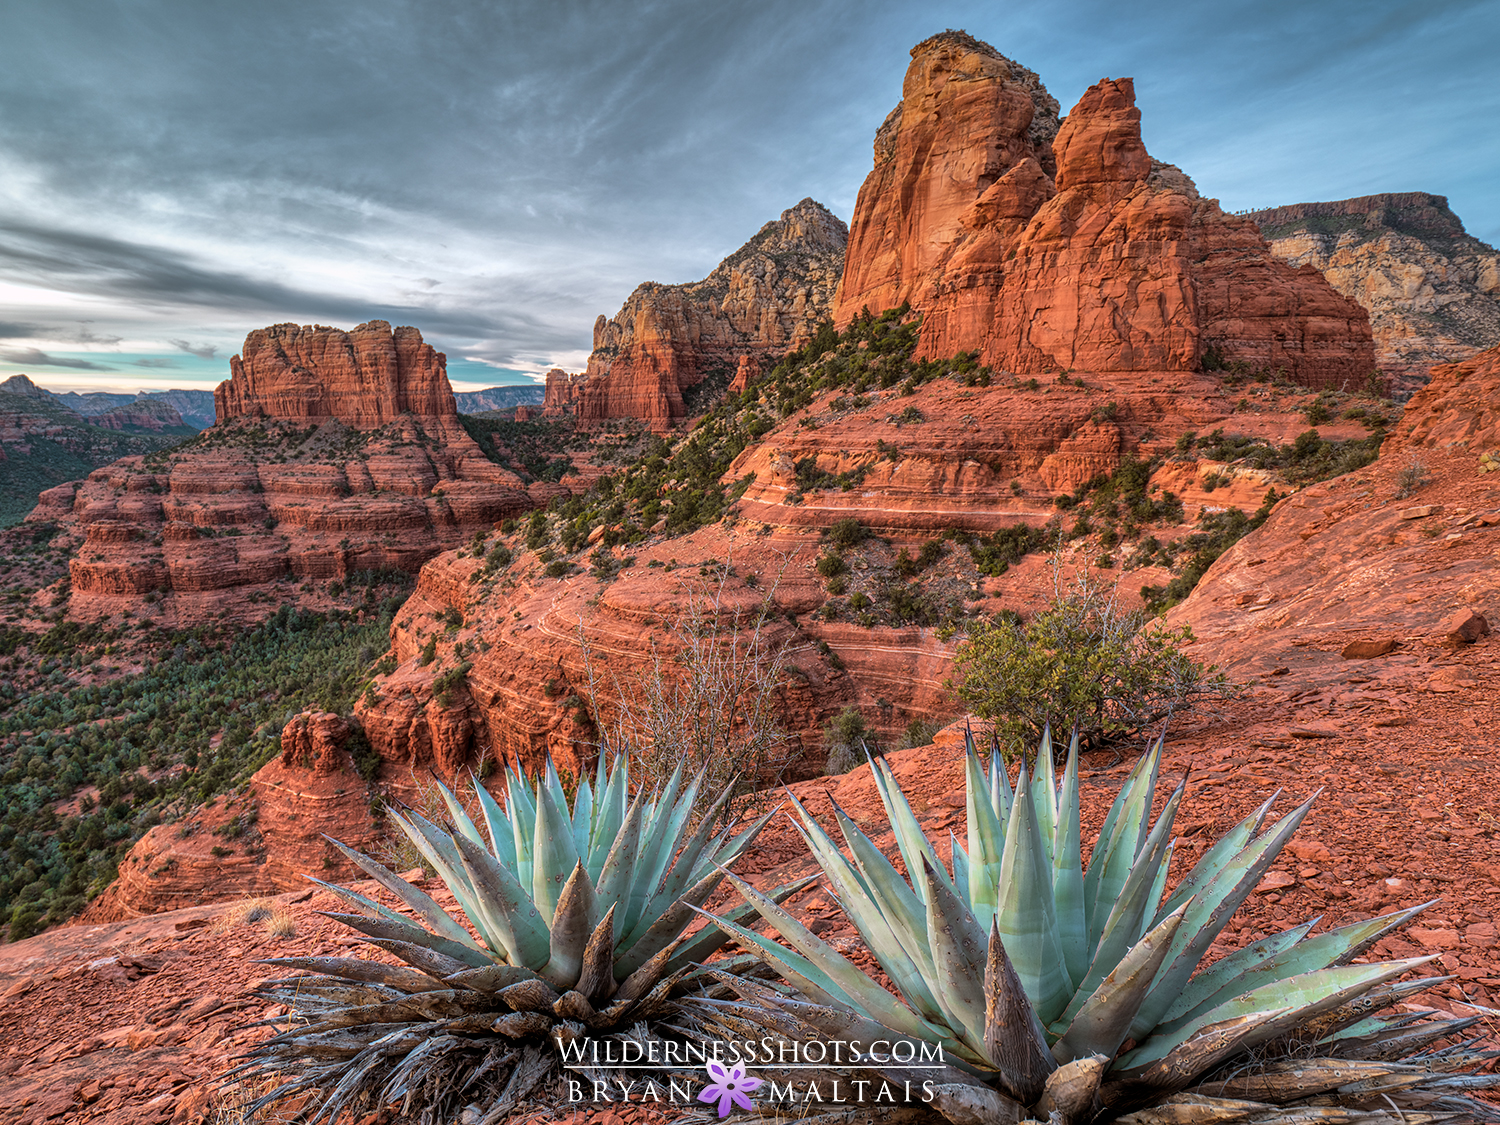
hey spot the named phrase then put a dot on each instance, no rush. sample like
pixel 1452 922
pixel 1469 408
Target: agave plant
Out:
pixel 580 913
pixel 1077 992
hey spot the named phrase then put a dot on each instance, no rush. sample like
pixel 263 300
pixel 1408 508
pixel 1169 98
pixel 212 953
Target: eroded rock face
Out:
pixel 307 476
pixel 562 392
pixel 258 843
pixel 365 377
pixel 315 740
pixel 1056 248
pixel 1458 409
pixel 1431 288
pixel 766 298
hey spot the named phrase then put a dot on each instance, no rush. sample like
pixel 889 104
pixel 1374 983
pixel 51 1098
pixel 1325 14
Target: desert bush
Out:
pixel 1413 477
pixel 709 694
pixel 1083 663
pixel 847 533
pixel 847 738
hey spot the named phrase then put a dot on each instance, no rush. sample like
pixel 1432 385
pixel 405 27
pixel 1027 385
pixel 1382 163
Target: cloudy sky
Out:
pixel 174 174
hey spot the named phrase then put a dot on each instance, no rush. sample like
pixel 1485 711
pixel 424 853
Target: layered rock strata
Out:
pixel 1432 290
pixel 283 490
pixel 766 298
pixel 1059 247
pixel 307 374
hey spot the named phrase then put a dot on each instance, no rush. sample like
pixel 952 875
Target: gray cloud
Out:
pixel 202 351
pixel 205 169
pixel 33 357
pixel 157 363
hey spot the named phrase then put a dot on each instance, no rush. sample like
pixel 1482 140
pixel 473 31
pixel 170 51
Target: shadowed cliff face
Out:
pixel 766 298
pixel 1432 289
pixel 365 377
pixel 1068 247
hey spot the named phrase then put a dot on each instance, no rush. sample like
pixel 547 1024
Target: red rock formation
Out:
pixel 1110 263
pixel 524 413
pixel 562 391
pixel 307 374
pixel 259 843
pixel 746 373
pixel 257 501
pixel 1459 409
pixel 315 740
pixel 766 298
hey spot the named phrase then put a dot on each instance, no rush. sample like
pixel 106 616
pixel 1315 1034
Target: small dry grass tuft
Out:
pixel 278 918
pixel 231 1105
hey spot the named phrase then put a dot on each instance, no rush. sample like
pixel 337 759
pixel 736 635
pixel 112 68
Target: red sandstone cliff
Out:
pixel 1069 247
pixel 365 377
pixel 220 524
pixel 766 298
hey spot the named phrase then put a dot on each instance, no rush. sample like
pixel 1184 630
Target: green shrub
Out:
pixel 428 653
pixel 831 564
pixel 1082 663
pixel 847 533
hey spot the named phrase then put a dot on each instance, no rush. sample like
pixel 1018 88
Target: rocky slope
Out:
pixel 766 298
pixel 1058 247
pixel 258 842
pixel 1432 289
pixel 335 452
pixel 1392 559
pixel 135 1021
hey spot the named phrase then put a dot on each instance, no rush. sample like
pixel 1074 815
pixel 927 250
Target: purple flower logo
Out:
pixel 728 1086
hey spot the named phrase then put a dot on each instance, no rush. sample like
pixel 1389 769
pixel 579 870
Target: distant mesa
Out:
pixel 766 298
pixel 1432 289
pixel 365 378
pixel 498 398
pixel 1055 245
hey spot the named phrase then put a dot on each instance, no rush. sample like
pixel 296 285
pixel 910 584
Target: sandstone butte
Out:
pixel 1431 288
pixel 971 458
pixel 1052 246
pixel 334 452
pixel 765 299
pixel 977 459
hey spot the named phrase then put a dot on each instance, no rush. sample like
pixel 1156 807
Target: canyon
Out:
pixel 338 452
pixel 1110 322
pixel 1431 288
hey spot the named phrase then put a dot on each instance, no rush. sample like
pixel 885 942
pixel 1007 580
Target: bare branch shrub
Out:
pixel 710 693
